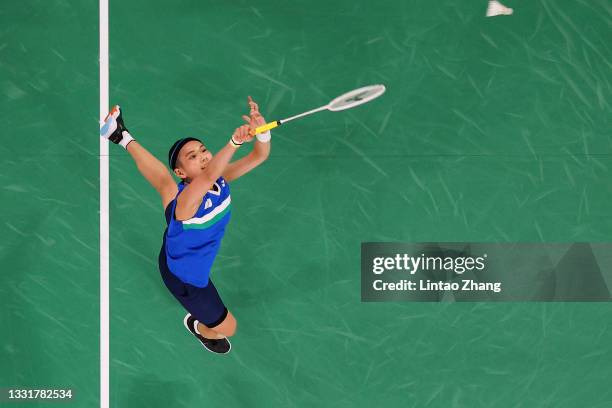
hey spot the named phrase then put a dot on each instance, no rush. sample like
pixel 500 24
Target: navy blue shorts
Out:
pixel 204 304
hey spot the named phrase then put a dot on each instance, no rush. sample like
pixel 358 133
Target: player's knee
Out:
pixel 228 326
pixel 232 330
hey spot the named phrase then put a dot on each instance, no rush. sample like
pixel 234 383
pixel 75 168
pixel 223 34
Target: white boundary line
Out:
pixel 104 214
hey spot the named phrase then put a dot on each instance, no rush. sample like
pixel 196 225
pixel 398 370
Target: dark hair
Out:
pixel 176 148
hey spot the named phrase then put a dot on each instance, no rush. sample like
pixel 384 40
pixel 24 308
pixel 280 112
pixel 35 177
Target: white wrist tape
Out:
pixel 126 139
pixel 264 137
pixel 234 143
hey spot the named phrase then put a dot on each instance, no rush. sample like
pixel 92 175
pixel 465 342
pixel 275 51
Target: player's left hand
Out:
pixel 255 118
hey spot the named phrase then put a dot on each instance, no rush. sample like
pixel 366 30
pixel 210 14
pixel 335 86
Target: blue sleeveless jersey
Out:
pixel 192 245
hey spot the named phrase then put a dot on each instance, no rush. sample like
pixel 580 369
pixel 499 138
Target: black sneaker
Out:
pixel 219 346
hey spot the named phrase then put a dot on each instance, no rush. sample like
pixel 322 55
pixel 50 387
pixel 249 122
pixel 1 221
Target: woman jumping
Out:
pixel 197 211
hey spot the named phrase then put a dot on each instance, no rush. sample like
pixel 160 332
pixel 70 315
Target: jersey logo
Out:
pixel 216 190
pixel 207 204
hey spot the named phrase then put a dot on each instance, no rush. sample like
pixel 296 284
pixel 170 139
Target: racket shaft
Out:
pixel 301 115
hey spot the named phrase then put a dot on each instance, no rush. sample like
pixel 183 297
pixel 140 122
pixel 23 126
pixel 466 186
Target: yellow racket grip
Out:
pixel 266 127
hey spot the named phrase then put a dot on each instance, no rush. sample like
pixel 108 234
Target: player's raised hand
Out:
pixel 255 120
pixel 114 129
pixel 255 116
pixel 241 135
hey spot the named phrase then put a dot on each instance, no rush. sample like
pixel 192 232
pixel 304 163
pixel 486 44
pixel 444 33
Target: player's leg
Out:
pixel 203 304
pixel 226 328
pixel 208 319
pixel 208 308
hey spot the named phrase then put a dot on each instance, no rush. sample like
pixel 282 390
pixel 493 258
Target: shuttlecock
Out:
pixel 497 9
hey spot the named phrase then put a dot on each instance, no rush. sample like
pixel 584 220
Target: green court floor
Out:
pixel 491 130
pixel 49 302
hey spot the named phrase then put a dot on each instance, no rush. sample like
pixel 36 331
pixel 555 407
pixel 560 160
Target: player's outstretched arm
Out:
pixel 190 198
pixel 153 170
pixel 261 148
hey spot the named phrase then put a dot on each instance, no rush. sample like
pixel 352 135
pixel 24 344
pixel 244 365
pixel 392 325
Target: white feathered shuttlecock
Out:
pixel 497 9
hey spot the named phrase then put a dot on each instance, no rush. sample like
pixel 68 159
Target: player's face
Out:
pixel 193 159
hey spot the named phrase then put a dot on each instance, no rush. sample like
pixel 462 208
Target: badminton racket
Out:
pixel 345 101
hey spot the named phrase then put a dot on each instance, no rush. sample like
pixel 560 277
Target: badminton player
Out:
pixel 197 212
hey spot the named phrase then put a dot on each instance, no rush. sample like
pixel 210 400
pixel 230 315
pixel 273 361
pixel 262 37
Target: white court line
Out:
pixel 104 219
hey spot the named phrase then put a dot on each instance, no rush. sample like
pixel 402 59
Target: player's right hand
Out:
pixel 242 135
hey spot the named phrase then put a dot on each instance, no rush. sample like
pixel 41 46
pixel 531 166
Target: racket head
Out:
pixel 356 97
